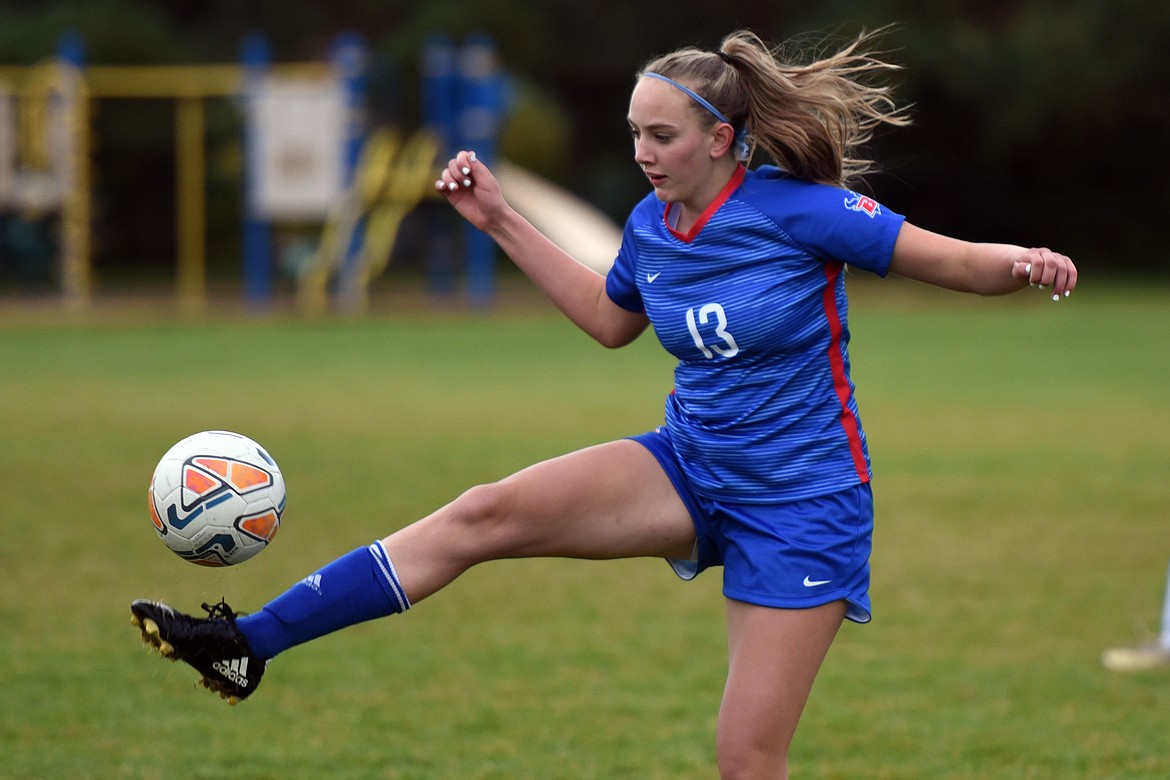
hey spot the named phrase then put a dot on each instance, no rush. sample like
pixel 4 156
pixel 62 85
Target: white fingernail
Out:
pixel 473 156
pixel 1055 297
pixel 467 182
pixel 465 170
pixel 1067 293
pixel 1028 268
pixel 439 184
pixel 452 186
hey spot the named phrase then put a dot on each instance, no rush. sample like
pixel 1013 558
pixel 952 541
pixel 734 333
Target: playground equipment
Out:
pixel 578 227
pixel 309 158
pixel 52 102
pixel 295 170
pixel 393 176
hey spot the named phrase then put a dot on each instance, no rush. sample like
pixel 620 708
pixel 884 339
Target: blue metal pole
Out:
pixel 71 48
pixel 440 91
pixel 257 238
pixel 350 63
pixel 440 98
pixel 481 106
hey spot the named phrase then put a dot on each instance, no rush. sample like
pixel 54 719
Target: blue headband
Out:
pixel 742 150
pixel 693 95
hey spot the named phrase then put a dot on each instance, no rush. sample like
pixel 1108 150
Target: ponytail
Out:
pixel 810 118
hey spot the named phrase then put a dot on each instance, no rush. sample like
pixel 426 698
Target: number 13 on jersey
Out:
pixel 728 347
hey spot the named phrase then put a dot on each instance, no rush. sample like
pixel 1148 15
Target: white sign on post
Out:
pixel 299 128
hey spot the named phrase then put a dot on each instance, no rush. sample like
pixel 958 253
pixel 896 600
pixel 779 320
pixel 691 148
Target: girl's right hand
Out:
pixel 470 187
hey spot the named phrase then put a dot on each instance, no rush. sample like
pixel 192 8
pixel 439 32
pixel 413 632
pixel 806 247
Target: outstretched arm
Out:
pixel 575 289
pixel 987 269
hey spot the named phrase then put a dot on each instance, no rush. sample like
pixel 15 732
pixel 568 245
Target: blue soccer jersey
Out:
pixel 752 303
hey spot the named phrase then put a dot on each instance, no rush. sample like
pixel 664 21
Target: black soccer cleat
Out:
pixel 213 645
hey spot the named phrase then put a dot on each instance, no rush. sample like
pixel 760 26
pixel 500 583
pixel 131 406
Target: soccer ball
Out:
pixel 216 498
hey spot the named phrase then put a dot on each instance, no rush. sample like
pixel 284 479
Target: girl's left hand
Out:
pixel 1043 268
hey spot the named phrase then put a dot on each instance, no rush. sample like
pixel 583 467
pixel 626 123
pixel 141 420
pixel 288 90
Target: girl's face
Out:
pixel 681 159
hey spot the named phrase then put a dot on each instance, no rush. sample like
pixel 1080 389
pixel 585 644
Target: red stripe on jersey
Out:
pixel 840 380
pixel 725 193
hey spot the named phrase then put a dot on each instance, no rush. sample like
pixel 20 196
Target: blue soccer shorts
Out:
pixel 793 554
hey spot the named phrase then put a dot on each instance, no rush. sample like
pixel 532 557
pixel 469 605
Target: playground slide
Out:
pixel 574 225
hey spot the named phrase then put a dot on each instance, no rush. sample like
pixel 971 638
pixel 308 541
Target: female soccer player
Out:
pixel 761 465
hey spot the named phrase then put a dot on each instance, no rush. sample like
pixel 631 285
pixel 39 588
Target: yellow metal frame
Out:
pixel 189 86
pixel 35 88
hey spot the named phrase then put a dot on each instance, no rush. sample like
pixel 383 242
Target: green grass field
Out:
pixel 1023 526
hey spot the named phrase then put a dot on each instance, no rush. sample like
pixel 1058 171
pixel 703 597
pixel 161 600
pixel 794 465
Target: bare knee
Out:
pixel 742 758
pixel 487 518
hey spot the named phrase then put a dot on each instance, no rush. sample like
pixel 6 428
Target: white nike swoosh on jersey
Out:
pixel 810 583
pixel 651 277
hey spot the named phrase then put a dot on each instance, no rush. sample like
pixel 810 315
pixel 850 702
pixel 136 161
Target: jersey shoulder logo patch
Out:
pixel 866 205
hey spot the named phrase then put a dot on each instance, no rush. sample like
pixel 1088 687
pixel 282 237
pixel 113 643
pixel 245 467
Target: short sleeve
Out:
pixel 837 224
pixel 620 284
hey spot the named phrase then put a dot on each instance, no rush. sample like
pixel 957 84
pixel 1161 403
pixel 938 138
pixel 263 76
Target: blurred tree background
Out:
pixel 1036 121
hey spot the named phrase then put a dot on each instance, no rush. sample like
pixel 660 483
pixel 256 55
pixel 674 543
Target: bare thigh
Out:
pixel 773 658
pixel 608 501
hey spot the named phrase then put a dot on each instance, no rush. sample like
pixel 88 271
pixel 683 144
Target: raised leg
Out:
pixel 608 501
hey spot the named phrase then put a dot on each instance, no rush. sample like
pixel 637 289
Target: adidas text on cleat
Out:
pixel 213 645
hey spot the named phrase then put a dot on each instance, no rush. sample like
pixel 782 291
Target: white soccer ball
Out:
pixel 217 498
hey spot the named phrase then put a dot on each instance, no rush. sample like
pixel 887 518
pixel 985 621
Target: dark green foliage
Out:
pixel 1037 122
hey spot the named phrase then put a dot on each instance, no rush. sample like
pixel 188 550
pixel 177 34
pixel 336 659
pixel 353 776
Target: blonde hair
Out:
pixel 811 118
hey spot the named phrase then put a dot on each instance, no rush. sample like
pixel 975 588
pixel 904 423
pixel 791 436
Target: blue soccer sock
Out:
pixel 358 586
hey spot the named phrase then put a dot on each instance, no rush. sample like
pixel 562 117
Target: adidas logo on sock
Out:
pixel 235 670
pixel 313 581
